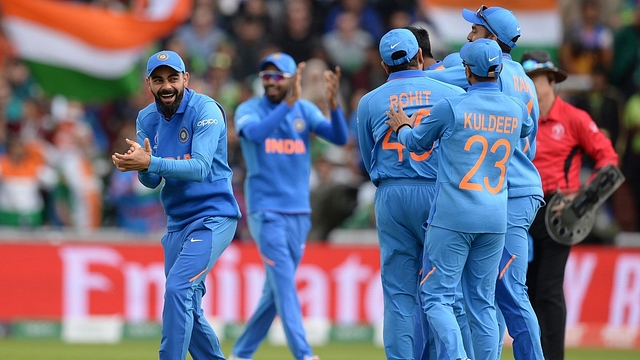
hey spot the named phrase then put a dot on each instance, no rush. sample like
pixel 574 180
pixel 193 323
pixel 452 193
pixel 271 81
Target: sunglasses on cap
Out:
pixel 530 65
pixel 480 14
pixel 272 74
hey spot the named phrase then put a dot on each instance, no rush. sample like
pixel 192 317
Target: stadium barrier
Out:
pixel 106 291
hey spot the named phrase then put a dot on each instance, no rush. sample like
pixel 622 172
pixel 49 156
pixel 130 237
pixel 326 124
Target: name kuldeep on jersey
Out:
pixel 490 122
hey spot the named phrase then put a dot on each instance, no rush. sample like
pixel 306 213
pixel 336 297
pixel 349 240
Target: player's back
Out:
pixel 474 154
pixel 523 178
pixel 387 158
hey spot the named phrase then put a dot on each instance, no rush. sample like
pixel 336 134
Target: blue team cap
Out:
pixel 483 57
pixel 395 42
pixel 165 58
pixel 282 61
pixel 452 60
pixel 499 21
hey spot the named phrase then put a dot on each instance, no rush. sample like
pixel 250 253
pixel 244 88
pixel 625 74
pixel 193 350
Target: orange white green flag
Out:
pixel 86 52
pixel 540 20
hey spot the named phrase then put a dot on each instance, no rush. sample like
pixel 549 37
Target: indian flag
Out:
pixel 87 52
pixel 540 21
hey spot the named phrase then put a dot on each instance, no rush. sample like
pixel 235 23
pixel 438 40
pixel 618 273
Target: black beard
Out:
pixel 169 110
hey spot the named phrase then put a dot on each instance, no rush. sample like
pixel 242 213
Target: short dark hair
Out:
pixel 504 47
pixel 422 35
pixel 413 64
pixel 485 78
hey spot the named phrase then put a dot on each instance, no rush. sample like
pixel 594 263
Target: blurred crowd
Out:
pixel 54 152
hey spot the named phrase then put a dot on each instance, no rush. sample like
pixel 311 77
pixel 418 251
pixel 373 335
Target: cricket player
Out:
pixel 275 131
pixel 524 185
pixel 405 181
pixel 184 137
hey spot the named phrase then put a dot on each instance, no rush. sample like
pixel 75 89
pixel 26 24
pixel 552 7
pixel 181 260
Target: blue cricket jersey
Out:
pixel 275 142
pixel 383 156
pixel 189 151
pixel 523 178
pixel 453 75
pixel 478 133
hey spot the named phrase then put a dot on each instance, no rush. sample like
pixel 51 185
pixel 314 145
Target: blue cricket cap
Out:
pixel 499 21
pixel 398 40
pixel 165 58
pixel 483 57
pixel 282 61
pixel 452 60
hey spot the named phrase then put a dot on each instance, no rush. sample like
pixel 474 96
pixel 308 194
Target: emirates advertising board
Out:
pixel 336 284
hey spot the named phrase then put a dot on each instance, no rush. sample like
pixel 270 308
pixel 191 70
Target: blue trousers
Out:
pixel 470 259
pixel 515 310
pixel 189 255
pixel 281 240
pixel 401 208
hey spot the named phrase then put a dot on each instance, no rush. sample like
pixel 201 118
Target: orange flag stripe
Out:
pixel 97 26
pixel 513 5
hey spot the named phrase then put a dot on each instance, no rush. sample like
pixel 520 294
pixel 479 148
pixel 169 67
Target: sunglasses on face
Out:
pixel 275 75
pixel 480 14
pixel 531 64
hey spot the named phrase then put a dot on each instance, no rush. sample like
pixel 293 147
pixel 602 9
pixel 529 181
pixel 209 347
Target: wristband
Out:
pixel 401 126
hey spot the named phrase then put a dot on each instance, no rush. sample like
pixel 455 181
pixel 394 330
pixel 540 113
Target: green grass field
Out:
pixel 148 350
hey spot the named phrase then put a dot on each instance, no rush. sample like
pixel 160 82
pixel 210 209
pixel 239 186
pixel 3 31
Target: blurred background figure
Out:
pixel 587 42
pixel 24 178
pixel 136 207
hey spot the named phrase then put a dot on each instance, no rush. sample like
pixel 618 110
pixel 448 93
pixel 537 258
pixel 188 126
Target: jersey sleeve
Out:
pixel 365 137
pixel 593 141
pixel 430 129
pixel 250 126
pixel 206 136
pixel 148 179
pixel 334 131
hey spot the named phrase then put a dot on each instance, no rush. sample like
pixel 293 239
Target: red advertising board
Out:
pixel 340 283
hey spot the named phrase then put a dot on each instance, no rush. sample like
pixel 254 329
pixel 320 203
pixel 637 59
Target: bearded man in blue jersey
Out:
pixel 405 182
pixel 275 132
pixel 184 137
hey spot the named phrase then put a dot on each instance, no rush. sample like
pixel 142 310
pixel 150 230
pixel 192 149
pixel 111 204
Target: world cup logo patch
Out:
pixel 299 125
pixel 183 136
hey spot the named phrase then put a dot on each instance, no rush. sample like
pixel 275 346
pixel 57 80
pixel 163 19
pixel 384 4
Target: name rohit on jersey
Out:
pixel 410 98
pixel 284 146
pixel 489 122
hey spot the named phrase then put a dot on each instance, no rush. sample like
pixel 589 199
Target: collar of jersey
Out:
pixel 483 85
pixel 406 74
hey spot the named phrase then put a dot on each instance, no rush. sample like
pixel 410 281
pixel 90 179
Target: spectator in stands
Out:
pixel 250 41
pixel 369 18
pixel 137 208
pixel 587 42
pixel 296 35
pixel 625 71
pixel 23 176
pixel 346 45
pixel 202 36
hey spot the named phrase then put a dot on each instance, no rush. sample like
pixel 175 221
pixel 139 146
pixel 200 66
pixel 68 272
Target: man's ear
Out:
pixel 420 59
pixel 186 79
pixel 385 67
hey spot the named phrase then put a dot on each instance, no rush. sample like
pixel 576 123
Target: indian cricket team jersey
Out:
pixel 523 178
pixel 478 133
pixel 384 157
pixel 279 167
pixel 197 132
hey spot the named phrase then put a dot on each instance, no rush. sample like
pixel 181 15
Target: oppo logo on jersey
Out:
pixel 499 124
pixel 410 98
pixel 207 122
pixel 284 146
